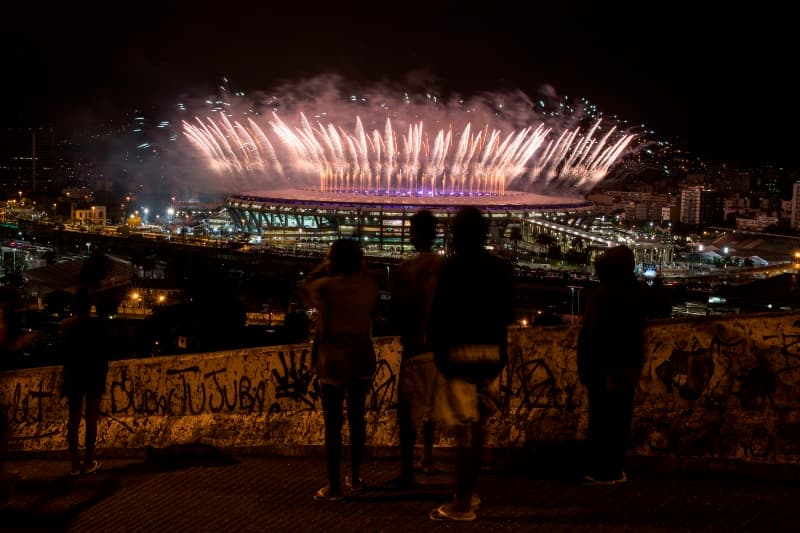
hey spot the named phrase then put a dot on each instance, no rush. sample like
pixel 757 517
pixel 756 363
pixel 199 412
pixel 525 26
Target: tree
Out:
pixel 545 241
pixel 94 270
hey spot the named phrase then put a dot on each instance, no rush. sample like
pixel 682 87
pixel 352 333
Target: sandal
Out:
pixel 92 468
pixel 446 512
pixel 324 495
pixel 475 502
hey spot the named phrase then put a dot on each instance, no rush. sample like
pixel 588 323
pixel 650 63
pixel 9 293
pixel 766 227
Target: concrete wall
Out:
pixel 725 388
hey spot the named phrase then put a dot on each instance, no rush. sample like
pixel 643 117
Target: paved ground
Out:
pixel 268 493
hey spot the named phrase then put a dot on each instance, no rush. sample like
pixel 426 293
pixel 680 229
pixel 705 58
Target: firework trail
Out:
pixel 414 160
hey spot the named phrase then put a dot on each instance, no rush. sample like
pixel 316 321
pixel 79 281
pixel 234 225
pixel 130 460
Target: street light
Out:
pixel 88 248
pixel 573 310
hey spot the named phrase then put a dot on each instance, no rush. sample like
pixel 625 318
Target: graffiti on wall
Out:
pixel 280 381
pixel 186 391
pixel 725 387
pixel 295 380
pixel 29 407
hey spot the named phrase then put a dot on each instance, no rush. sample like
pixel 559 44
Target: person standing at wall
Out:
pixel 85 371
pixel 610 360
pixel 413 284
pixel 471 310
pixel 343 357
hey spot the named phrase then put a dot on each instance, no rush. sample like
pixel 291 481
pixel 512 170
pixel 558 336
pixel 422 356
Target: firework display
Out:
pixel 413 160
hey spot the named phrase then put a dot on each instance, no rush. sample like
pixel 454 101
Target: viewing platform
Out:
pixel 716 392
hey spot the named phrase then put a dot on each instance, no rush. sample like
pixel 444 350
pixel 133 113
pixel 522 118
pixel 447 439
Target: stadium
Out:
pixel 312 219
pixel 313 178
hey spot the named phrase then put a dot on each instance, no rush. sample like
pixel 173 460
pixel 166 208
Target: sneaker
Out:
pixel 324 495
pixel 74 472
pixel 447 512
pixel 92 468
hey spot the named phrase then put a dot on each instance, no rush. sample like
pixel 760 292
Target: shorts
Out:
pixel 460 401
pixel 419 382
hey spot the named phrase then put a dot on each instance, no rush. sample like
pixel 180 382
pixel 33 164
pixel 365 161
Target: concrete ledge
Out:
pixel 725 390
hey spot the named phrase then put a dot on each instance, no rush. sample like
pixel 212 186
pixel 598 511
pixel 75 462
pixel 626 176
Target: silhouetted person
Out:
pixel 471 311
pixel 413 284
pixel 343 357
pixel 610 360
pixel 10 342
pixel 85 370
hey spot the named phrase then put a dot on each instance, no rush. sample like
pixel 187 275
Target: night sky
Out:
pixel 720 81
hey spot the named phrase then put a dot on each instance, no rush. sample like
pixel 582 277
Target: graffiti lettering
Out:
pixel 185 394
pixel 251 401
pixel 223 393
pixel 28 408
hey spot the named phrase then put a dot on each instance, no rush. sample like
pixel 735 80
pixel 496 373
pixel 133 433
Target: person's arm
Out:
pixel 438 327
pixel 587 338
pixel 319 272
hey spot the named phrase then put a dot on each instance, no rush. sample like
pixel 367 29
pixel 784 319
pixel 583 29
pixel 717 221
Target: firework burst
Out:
pixel 411 159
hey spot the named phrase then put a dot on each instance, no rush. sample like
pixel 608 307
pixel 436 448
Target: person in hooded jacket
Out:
pixel 610 360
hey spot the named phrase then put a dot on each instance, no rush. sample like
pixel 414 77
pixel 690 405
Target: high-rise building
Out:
pixel 795 220
pixel 701 206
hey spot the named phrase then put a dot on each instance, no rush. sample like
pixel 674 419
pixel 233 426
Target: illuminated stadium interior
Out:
pixel 311 219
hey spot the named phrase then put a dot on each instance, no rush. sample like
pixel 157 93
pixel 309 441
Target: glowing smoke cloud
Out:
pixel 413 159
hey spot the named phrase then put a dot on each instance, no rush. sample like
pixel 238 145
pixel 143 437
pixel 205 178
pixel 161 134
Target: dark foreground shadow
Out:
pixel 180 456
pixel 50 505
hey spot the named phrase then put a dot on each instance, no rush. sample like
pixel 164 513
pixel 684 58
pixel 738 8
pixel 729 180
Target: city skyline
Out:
pixel 720 84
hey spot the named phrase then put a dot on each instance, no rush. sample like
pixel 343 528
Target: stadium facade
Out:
pixel 312 219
